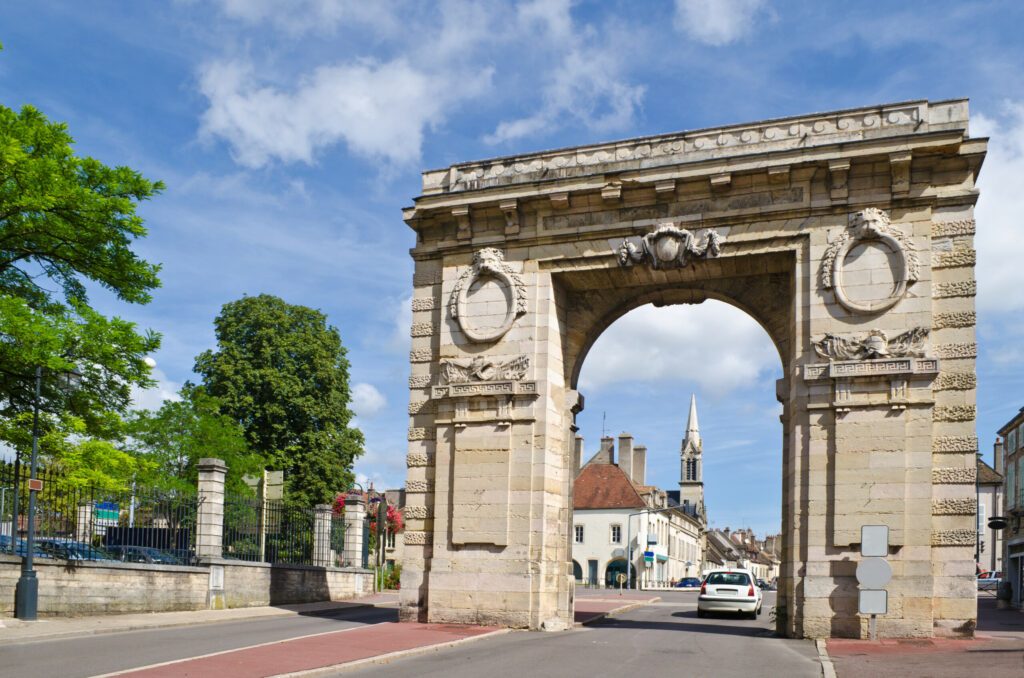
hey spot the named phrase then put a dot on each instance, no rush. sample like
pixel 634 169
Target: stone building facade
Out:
pixel 1012 434
pixel 847 235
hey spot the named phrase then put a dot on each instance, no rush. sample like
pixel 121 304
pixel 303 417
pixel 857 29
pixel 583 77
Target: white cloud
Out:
pixel 586 86
pixel 153 398
pixel 716 345
pixel 717 22
pixel 1000 239
pixel 378 109
pixel 301 16
pixel 367 401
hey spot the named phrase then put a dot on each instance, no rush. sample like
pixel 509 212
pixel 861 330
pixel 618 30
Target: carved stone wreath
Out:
pixel 871 224
pixel 669 247
pixel 488 262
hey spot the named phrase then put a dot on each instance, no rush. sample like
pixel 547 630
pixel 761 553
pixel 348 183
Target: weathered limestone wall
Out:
pixel 256 584
pixel 846 235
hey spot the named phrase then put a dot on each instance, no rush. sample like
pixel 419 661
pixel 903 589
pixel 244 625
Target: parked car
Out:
pixel 688 583
pixel 142 554
pixel 729 591
pixel 989 580
pixel 762 584
pixel 67 549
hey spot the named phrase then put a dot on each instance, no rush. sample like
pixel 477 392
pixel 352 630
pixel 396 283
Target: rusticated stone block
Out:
pixel 963 256
pixel 421 406
pixel 957 319
pixel 965 350
pixel 951 444
pixel 415 538
pixel 414 460
pixel 420 433
pixel 946 229
pixel 415 512
pixel 417 486
pixel 423 279
pixel 955 413
pixel 425 304
pixel 422 329
pixel 421 381
pixel 954 507
pixel 954 538
pixel 421 355
pixel 955 381
pixel 954 475
pixel 960 288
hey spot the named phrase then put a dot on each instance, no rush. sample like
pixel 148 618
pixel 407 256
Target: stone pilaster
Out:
pixel 210 520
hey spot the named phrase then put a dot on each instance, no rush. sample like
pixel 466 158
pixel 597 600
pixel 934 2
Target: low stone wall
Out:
pixel 72 588
pixel 69 588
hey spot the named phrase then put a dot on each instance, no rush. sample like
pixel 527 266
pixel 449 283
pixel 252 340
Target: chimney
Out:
pixel 577 452
pixel 640 465
pixel 607 453
pixel 626 454
pixel 997 456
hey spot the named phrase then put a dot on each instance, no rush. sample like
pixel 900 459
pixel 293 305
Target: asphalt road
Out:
pixel 104 653
pixel 664 639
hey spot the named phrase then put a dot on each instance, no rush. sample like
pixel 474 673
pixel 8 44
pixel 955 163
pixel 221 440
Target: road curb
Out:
pixel 619 610
pixel 388 658
pixel 828 670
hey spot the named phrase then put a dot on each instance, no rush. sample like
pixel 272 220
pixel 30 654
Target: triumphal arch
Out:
pixel 847 235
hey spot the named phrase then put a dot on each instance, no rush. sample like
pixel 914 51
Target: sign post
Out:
pixel 873 573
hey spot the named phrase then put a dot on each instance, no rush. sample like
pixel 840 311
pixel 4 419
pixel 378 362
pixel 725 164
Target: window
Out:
pixel 981 518
pixel 1020 481
pixel 1011 484
pixel 1020 435
pixel 578 534
pixel 389 539
pixel 1011 442
pixel 616 534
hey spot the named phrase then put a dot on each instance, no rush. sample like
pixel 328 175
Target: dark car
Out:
pixel 143 554
pixel 688 583
pixel 762 584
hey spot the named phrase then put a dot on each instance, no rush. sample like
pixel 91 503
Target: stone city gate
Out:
pixel 847 235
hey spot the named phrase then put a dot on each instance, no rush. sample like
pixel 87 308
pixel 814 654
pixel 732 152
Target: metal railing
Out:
pixel 76 521
pixel 269 531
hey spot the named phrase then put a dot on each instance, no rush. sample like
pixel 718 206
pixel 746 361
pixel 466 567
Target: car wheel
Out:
pixel 757 612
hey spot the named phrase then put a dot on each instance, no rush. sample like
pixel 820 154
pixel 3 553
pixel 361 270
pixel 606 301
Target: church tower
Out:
pixel 691 472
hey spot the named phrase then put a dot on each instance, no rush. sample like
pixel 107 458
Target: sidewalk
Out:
pixel 997 650
pixel 48 628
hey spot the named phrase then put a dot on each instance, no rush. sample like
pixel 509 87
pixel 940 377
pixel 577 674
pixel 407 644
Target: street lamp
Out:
pixel 26 593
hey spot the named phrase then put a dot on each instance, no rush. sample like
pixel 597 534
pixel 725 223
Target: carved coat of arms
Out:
pixel 669 247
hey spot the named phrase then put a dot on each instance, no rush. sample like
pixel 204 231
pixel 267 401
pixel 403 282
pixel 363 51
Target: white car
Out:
pixel 730 591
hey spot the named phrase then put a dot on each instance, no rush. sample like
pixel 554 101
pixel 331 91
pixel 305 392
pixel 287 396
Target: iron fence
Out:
pixel 268 531
pixel 79 521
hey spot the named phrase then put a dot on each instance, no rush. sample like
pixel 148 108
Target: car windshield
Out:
pixel 728 579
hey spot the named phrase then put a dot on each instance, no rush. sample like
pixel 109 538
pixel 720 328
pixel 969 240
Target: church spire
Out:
pixel 692 427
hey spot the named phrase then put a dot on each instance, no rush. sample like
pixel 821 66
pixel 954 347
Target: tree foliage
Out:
pixel 280 372
pixel 68 222
pixel 172 440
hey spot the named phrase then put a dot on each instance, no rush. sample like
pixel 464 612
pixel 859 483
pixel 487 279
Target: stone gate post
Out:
pixel 322 536
pixel 210 515
pixel 355 520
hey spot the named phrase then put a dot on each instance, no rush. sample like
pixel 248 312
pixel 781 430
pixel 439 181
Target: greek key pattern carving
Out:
pixel 962 288
pixel 420 407
pixel 415 538
pixel 954 475
pixel 420 433
pixel 424 304
pixel 965 350
pixel 954 319
pixel 955 413
pixel 954 538
pixel 420 381
pixel 945 229
pixel 962 256
pixel 415 512
pixel 417 460
pixel 955 381
pixel 421 355
pixel 422 329
pixel 417 486
pixel 954 507
pixel 952 444
pixel 424 279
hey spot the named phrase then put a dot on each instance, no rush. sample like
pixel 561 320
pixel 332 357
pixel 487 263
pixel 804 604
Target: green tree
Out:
pixel 280 371
pixel 172 439
pixel 67 223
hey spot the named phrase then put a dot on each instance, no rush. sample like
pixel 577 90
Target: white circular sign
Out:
pixel 874 573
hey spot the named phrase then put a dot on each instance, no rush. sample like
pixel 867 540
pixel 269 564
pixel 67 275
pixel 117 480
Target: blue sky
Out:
pixel 291 132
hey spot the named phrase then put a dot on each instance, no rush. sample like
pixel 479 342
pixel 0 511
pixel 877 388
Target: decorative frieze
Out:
pixel 416 460
pixel 954 444
pixel 955 413
pixel 669 247
pixel 954 319
pixel 954 475
pixel 954 507
pixel 875 344
pixel 419 381
pixel 422 329
pixel 415 538
pixel 870 368
pixel 959 257
pixel 420 433
pixel 959 288
pixel 954 538
pixel 415 512
pixel 488 263
pixel 424 304
pixel 484 369
pixel 417 486
pixel 956 381
pixel 962 350
pixel 420 407
pixel 947 229
pixel 869 225
pixel 421 355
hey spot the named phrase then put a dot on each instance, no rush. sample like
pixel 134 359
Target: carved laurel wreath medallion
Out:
pixel 870 225
pixel 488 263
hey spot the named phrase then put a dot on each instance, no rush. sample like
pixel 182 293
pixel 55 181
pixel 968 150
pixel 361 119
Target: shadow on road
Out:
pixel 687 626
